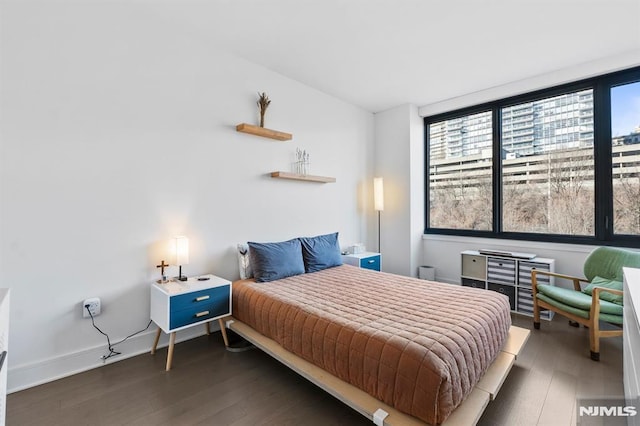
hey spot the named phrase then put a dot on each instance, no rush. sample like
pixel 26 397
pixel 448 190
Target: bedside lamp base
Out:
pixel 181 277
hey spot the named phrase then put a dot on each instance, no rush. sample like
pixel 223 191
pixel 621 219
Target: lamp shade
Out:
pixel 180 250
pixel 378 194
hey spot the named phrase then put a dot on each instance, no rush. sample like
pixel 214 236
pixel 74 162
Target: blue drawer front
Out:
pixel 189 300
pixel 186 309
pixel 372 262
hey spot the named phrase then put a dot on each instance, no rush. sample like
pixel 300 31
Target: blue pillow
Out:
pixel 272 261
pixel 321 252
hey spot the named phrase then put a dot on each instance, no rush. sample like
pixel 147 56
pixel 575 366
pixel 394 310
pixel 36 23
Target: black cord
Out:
pixel 112 352
pixel 133 334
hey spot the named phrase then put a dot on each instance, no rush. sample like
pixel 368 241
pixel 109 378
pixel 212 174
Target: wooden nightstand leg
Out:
pixel 172 341
pixel 223 330
pixel 206 324
pixel 155 342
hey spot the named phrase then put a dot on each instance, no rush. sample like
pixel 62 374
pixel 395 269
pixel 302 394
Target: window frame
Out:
pixel 603 183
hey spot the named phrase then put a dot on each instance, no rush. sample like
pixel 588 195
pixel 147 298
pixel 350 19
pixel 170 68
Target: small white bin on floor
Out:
pixel 427 273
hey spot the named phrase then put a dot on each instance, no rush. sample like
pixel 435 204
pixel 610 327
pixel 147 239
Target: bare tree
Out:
pixel 551 193
pixel 626 205
pixel 570 205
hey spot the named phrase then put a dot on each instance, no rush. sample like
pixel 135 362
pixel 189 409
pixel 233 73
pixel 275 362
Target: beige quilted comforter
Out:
pixel 416 345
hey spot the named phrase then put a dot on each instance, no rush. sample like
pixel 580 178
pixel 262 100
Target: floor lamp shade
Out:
pixel 378 194
pixel 378 201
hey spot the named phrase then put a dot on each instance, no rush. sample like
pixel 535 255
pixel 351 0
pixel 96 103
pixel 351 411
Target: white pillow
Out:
pixel 243 261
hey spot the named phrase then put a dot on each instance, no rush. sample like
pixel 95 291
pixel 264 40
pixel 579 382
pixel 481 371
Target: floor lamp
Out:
pixel 378 201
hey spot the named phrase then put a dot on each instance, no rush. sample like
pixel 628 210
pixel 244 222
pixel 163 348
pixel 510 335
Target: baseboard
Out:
pixel 25 376
pixel 455 281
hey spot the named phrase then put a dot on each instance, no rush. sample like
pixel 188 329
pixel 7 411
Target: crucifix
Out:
pixel 162 265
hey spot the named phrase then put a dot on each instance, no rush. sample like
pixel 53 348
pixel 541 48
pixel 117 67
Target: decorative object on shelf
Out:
pixel 180 248
pixel 378 200
pixel 263 103
pixel 163 278
pixel 307 178
pixel 301 165
pixel 264 132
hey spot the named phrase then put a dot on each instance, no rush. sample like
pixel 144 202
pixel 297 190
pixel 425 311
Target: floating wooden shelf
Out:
pixel 308 178
pixel 264 132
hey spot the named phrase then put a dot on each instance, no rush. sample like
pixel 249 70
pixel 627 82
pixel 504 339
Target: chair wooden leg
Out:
pixel 223 330
pixel 536 314
pixel 594 341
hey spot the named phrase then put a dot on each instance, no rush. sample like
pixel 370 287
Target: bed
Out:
pixel 398 349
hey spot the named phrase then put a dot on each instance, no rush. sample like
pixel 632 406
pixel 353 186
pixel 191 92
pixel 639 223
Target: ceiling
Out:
pixel 378 54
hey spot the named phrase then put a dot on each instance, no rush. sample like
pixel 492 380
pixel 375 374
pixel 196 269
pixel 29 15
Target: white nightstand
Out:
pixel 177 305
pixel 367 260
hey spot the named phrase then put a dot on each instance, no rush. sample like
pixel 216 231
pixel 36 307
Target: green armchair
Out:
pixel 599 300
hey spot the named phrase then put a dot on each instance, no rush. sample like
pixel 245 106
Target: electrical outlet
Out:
pixel 94 307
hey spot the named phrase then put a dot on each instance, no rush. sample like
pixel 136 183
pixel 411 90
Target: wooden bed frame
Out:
pixel 468 413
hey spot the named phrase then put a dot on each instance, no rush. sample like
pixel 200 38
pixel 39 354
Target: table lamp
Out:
pixel 180 246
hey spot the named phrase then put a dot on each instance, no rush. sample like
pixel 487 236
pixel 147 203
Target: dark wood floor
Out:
pixel 211 386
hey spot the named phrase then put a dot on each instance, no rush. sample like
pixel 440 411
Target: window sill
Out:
pixel 516 244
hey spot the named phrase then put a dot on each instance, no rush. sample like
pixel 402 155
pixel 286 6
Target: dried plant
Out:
pixel 263 103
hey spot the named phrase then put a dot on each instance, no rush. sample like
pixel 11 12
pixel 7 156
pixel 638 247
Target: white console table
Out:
pixel 631 338
pixel 4 348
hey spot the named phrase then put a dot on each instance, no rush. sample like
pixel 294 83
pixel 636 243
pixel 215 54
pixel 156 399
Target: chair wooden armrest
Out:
pixel 595 300
pixel 597 290
pixel 576 280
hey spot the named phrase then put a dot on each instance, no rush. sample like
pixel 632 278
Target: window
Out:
pixel 547 169
pixel 625 151
pixel 560 164
pixel 460 169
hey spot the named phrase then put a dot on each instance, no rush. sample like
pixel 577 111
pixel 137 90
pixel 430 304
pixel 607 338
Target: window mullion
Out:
pixel 497 171
pixel 602 157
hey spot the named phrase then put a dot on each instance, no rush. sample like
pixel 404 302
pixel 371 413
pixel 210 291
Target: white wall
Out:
pixel 542 81
pixel 117 133
pixel 399 147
